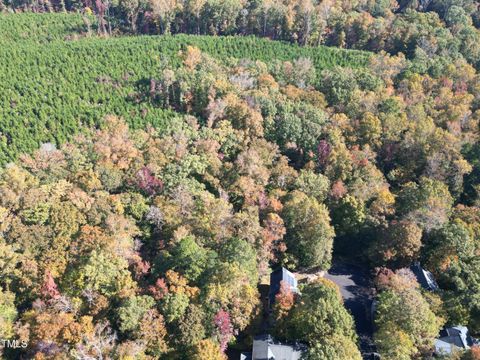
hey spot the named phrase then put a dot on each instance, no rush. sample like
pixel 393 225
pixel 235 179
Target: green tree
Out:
pixel 309 233
pixel 319 316
pixel 8 314
pixel 338 86
pixel 312 184
pixel 220 16
pixel 451 253
pixel 427 203
pixel 395 344
pixel 132 311
pixel 449 244
pixel 188 258
pixel 297 123
pixel 174 305
pixel 191 327
pixel 336 347
pixel 349 215
pixel 406 326
pixel 240 252
pixel 103 272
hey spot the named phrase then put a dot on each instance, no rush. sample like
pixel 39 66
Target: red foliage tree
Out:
pixel 147 182
pixel 224 327
pixel 323 153
pixel 49 288
pixel 159 290
pixel 284 300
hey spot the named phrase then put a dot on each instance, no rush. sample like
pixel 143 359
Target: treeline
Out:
pixel 55 89
pixel 416 28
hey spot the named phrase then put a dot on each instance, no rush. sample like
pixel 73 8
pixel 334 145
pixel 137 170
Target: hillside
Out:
pixel 54 86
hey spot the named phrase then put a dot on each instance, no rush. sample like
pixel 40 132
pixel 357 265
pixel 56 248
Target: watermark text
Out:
pixel 13 344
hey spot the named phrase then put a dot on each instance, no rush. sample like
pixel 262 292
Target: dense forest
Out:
pixel 78 82
pixel 155 172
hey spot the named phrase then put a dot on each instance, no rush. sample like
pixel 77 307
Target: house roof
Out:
pixel 425 278
pixel 276 277
pixel 266 348
pixel 452 338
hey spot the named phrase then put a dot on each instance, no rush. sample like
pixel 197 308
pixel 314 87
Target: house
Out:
pixel 266 348
pixel 453 339
pixel 276 278
pixel 424 277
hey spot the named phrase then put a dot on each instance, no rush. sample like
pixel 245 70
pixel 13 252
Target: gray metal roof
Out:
pixel 265 348
pixel 424 277
pixel 452 338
